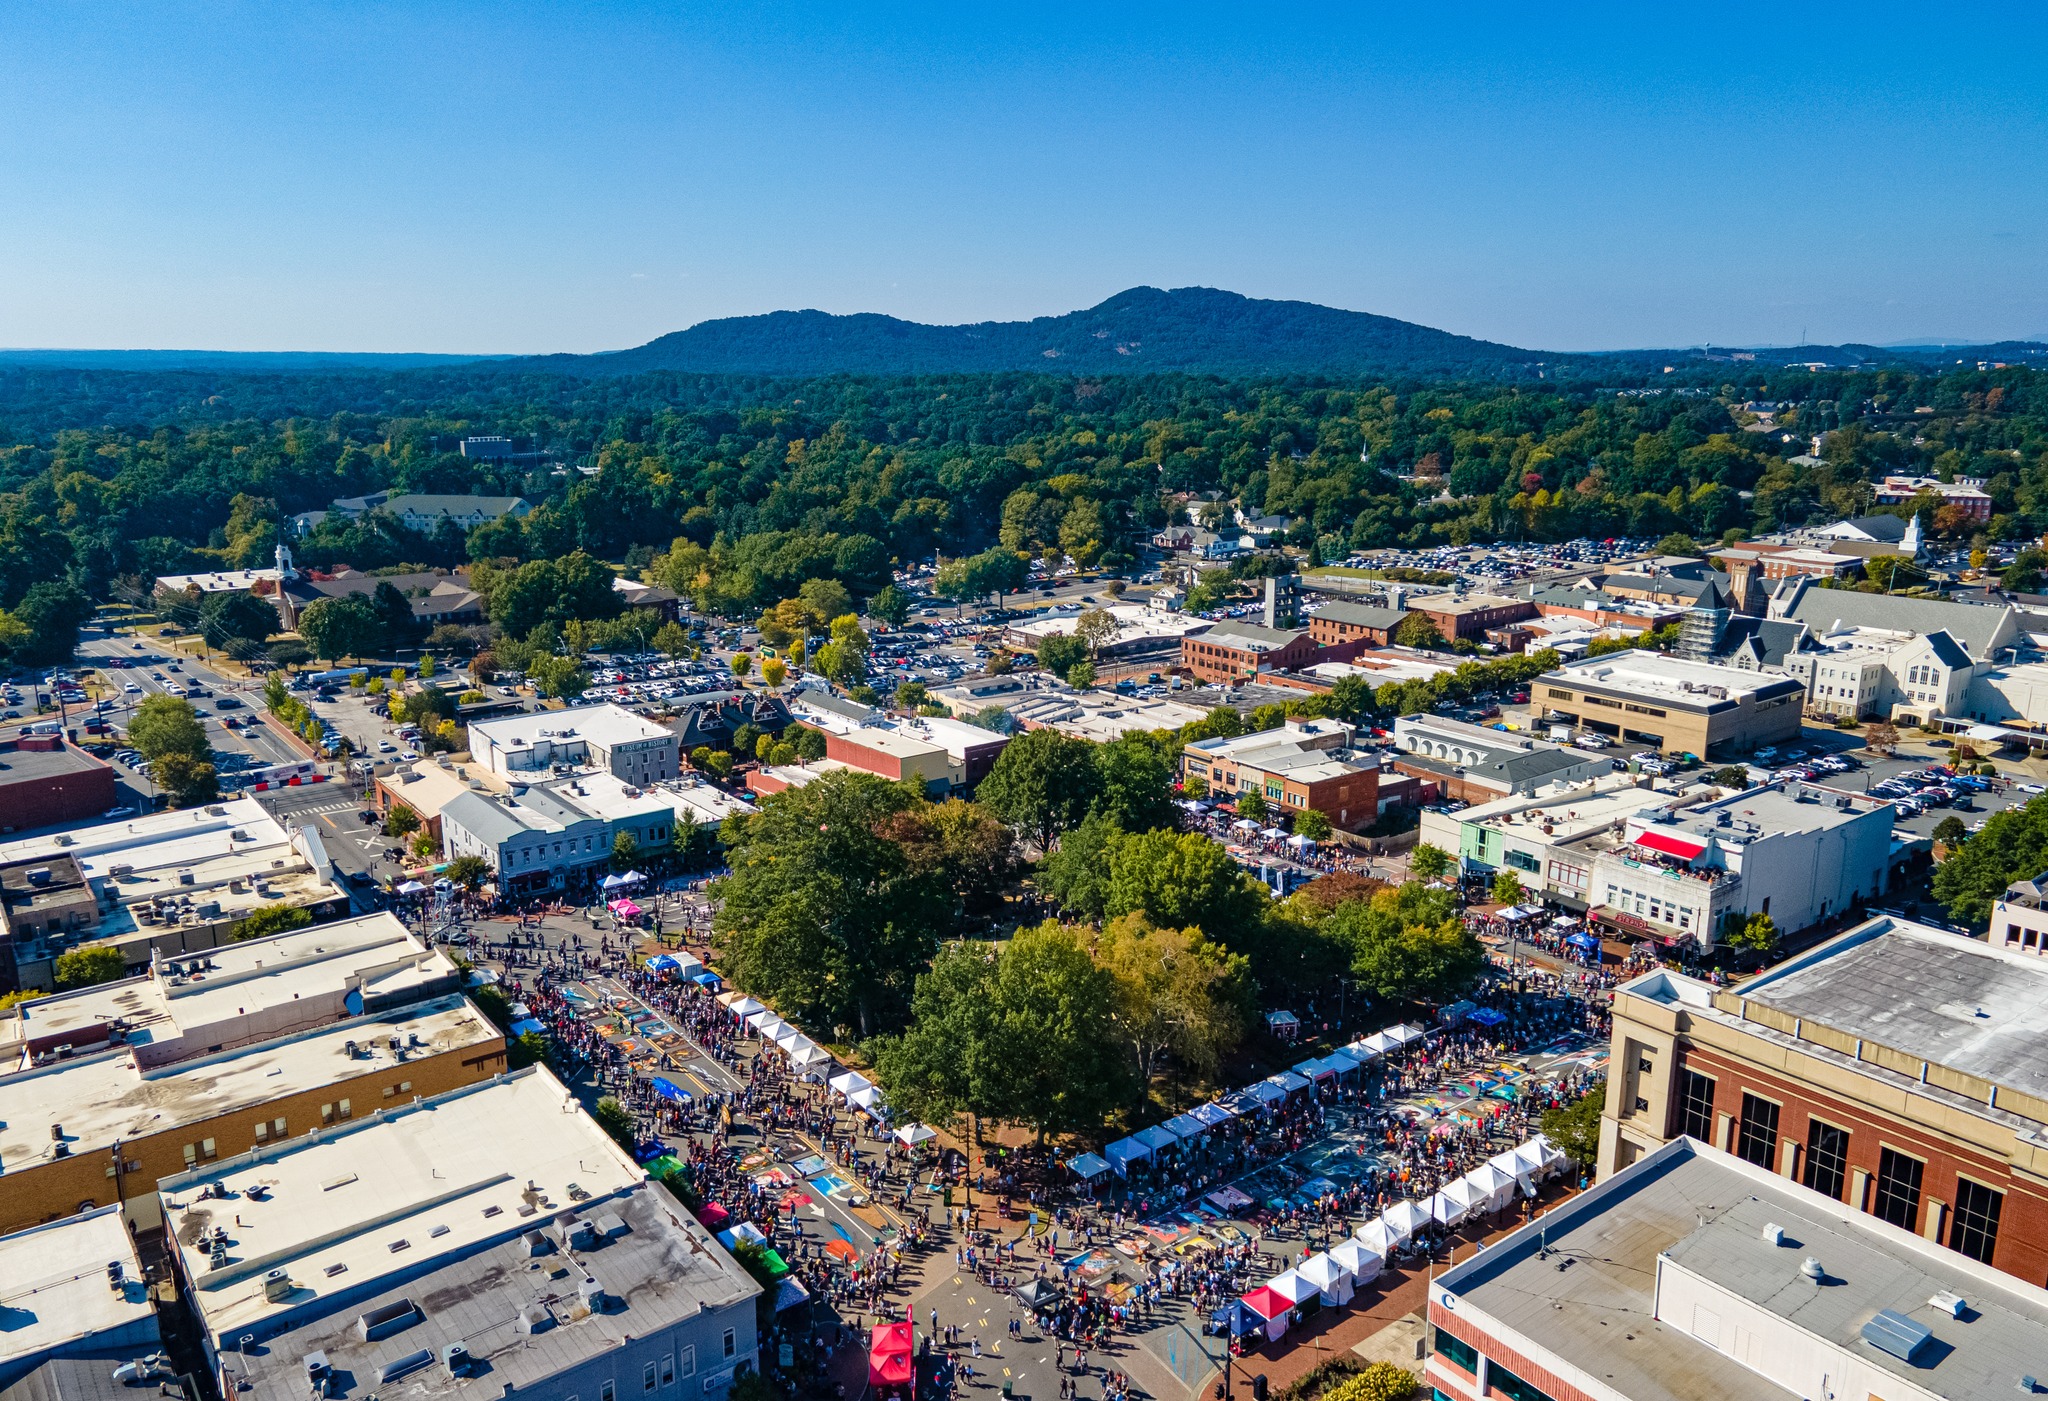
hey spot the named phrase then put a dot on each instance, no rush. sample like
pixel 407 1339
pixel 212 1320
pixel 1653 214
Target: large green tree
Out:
pixel 165 725
pixel 824 915
pixel 339 627
pixel 1409 943
pixel 1042 783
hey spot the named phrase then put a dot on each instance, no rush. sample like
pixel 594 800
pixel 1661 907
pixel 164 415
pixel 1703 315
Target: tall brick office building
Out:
pixel 1898 1069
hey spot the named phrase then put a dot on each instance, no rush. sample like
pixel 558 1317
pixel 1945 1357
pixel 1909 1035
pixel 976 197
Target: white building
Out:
pixel 1139 629
pixel 1866 672
pixel 608 737
pixel 72 1289
pixel 1797 852
pixel 490 1240
pixel 1550 838
pixel 540 835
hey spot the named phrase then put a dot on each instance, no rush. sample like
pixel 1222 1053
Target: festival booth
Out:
pixel 1289 1083
pixel 892 1363
pixel 743 1007
pixel 808 1053
pixel 707 980
pixel 910 1135
pixel 624 909
pixel 1454 1203
pixel 1088 1166
pixel 1268 1094
pixel 1210 1115
pixel 665 963
pixel 1284 1025
pixel 625 881
pixel 851 1081
pixel 1380 1043
pixel 1376 1238
pixel 525 1025
pixel 1290 1285
pixel 1186 1127
pixel 1123 1153
pixel 1159 1139
pixel 1496 1189
pixel 1358 1260
pixel 1584 942
pixel 1275 1309
pixel 745 1232
pixel 1402 1220
pixel 1488 1016
pixel 1244 825
pixel 1406 1033
pixel 869 1100
pixel 1301 843
pixel 1239 1103
pixel 1235 1319
pixel 1331 1280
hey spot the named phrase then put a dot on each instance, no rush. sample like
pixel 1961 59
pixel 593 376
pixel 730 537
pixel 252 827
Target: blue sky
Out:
pixel 455 177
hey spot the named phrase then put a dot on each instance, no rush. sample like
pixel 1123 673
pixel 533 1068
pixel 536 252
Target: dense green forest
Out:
pixel 108 476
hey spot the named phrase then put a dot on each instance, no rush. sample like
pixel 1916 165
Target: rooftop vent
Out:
pixel 277 1285
pixel 383 1322
pixel 455 1357
pixel 1774 1234
pixel 404 1366
pixel 1950 1303
pixel 537 1243
pixel 1891 1332
pixel 535 1318
pixel 590 1294
pixel 1811 1268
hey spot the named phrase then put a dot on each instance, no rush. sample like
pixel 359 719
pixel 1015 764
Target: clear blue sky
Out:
pixel 561 176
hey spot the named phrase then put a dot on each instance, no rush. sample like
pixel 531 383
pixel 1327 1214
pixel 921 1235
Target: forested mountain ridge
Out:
pixel 1140 331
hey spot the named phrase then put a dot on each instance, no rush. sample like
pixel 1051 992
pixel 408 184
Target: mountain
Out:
pixel 1144 330
pixel 233 361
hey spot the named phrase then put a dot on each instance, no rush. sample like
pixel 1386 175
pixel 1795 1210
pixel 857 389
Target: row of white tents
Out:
pixel 813 1062
pixel 1334 1275
pixel 1260 1097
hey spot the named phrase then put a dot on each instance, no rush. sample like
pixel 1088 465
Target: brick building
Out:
pixel 1230 653
pixel 1337 623
pixel 44 781
pixel 1897 1069
pixel 1303 764
pixel 1459 615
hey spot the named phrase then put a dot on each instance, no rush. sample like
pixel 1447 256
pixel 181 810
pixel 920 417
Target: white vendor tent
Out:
pixel 1331 1280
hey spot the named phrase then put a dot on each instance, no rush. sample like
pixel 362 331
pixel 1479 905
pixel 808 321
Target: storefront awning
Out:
pixel 1672 844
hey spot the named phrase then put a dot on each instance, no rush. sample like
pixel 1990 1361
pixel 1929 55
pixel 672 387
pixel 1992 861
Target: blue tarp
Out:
pixel 669 1089
pixel 526 1024
pixel 1486 1016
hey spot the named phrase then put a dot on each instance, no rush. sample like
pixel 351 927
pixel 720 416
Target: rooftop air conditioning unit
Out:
pixel 277 1285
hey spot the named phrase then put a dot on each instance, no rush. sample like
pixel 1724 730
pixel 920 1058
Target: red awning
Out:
pixel 1672 844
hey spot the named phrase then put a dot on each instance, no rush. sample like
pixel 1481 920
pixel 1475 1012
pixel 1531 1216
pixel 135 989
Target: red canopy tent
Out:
pixel 1268 1303
pixel 892 1363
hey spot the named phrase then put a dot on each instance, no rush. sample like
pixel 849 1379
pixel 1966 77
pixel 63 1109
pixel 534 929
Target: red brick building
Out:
pixel 44 781
pixel 1898 1069
pixel 1338 623
pixel 1459 615
pixel 1232 652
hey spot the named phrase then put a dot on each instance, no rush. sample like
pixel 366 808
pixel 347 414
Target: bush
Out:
pixel 1382 1381
pixel 612 1117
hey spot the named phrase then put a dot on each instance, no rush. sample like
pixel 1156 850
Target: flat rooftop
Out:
pixel 374 952
pixel 1773 810
pixel 54 1293
pixel 895 743
pixel 22 765
pixel 431 1201
pixel 1574 812
pixel 1294 735
pixel 1671 680
pixel 956 737
pixel 1621 1283
pixel 1935 996
pixel 100 1098
pixel 604 725
pixel 1134 622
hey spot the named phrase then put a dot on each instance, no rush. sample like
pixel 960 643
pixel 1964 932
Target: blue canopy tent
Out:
pixel 1210 1115
pixel 1268 1093
pixel 1088 1166
pixel 1487 1016
pixel 1289 1082
pixel 620 882
pixel 707 979
pixel 1313 1069
pixel 1582 940
pixel 1250 1101
pixel 1158 1139
pixel 1186 1126
pixel 526 1024
pixel 1124 1152
pixel 1236 1319
pixel 663 963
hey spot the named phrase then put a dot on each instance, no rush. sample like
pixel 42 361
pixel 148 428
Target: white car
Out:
pixel 132 689
pixel 410 754
pixel 386 747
